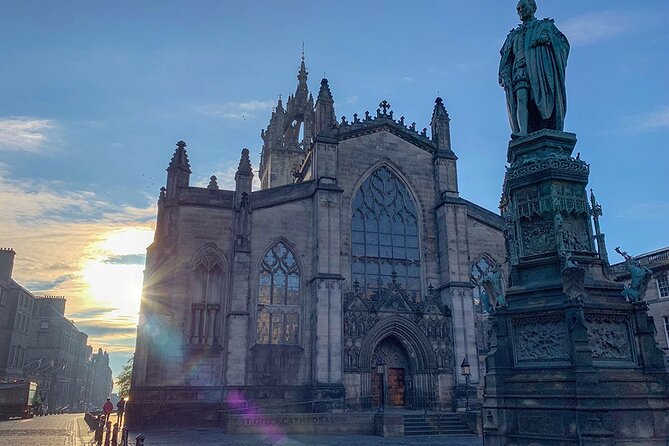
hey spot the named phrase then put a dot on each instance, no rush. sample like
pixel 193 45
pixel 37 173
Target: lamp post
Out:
pixel 466 371
pixel 380 369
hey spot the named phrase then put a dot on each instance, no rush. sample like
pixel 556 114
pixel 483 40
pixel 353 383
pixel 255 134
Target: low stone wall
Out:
pixel 301 423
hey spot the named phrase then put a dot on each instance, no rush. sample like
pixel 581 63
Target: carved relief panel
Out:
pixel 541 339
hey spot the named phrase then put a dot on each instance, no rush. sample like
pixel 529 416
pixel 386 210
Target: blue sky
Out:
pixel 94 95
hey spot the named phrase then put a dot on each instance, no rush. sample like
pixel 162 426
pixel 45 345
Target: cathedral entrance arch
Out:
pixel 390 364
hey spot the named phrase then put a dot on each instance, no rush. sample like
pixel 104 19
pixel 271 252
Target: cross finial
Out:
pixel 303 50
pixel 385 106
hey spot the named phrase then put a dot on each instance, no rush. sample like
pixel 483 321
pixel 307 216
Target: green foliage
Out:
pixel 123 380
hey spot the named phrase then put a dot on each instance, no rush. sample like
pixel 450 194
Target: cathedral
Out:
pixel 351 279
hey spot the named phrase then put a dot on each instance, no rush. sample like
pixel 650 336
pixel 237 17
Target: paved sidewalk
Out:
pixel 198 437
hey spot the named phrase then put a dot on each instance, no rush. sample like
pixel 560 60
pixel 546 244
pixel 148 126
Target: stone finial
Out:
pixel 324 93
pixel 385 106
pixel 244 167
pixel 439 111
pixel 213 183
pixel 180 158
pixel 440 125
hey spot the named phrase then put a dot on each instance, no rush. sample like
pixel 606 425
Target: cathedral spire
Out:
pixel 302 75
pixel 440 125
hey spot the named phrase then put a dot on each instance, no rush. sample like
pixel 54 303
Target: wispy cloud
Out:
pixel 236 110
pixel 26 134
pixel 407 79
pixel 128 259
pixel 597 26
pixel 351 100
pixel 648 122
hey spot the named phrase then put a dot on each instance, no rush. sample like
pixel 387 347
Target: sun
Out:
pixel 113 270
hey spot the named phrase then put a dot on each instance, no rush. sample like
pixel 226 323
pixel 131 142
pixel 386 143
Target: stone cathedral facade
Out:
pixel 349 277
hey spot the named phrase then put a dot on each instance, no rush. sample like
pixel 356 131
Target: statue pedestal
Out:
pixel 571 361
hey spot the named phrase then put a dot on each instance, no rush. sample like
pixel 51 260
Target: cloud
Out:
pixel 26 134
pixel 128 259
pixel 597 26
pixel 351 100
pixel 657 120
pixel 49 285
pixel 651 121
pixel 236 110
pixel 407 79
pixel 57 234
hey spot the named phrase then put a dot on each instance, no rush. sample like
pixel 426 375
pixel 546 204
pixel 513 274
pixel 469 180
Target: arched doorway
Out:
pixel 390 373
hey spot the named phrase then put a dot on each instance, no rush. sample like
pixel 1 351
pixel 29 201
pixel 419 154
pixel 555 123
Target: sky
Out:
pixel 94 95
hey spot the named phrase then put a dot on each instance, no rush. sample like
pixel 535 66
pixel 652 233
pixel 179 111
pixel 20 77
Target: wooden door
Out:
pixel 396 386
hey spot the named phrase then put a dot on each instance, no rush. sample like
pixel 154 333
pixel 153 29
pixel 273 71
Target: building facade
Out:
pixel 657 293
pixel 38 343
pixel 347 277
pixel 16 308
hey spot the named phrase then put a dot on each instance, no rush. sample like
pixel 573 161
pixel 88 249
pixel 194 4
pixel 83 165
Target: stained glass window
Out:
pixel 384 235
pixel 278 297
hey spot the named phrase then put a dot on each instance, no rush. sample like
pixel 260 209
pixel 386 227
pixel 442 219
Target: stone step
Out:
pixel 444 424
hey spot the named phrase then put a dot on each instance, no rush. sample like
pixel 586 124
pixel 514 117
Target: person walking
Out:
pixel 120 409
pixel 107 409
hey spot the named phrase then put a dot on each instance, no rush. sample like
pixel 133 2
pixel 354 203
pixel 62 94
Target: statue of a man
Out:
pixel 532 72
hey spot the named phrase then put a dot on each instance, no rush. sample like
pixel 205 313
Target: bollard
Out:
pixel 139 440
pixel 107 433
pixel 124 436
pixel 99 433
pixel 114 440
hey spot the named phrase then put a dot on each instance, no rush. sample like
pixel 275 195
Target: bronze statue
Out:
pixel 532 72
pixel 640 275
pixel 492 284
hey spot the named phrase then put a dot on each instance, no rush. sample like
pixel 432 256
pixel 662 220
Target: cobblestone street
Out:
pixel 52 430
pixel 71 430
pixel 198 437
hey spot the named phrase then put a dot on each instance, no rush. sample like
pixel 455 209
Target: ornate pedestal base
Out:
pixel 571 361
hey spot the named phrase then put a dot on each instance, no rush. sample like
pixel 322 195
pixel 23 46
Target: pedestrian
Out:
pixel 107 409
pixel 120 408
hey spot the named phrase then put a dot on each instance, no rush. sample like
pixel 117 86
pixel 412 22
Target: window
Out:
pixel 666 330
pixel 278 297
pixel 384 235
pixel 207 289
pixel 663 286
pixel 44 325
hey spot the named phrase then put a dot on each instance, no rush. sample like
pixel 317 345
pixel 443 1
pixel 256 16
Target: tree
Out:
pixel 123 380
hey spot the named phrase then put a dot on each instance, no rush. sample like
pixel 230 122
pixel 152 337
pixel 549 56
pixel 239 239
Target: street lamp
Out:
pixel 380 368
pixel 466 371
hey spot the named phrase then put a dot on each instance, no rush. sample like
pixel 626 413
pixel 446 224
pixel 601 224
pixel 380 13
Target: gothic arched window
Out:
pixel 384 235
pixel 278 297
pixel 207 290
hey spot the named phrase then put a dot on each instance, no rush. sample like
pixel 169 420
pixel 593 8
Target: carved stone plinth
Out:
pixel 571 360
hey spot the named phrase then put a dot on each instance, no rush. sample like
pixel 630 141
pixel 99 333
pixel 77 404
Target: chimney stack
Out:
pixel 6 264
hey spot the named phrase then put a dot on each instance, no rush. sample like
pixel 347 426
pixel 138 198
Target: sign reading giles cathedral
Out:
pixel 349 277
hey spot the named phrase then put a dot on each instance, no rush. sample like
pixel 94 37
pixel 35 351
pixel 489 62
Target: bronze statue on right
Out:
pixel 532 72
